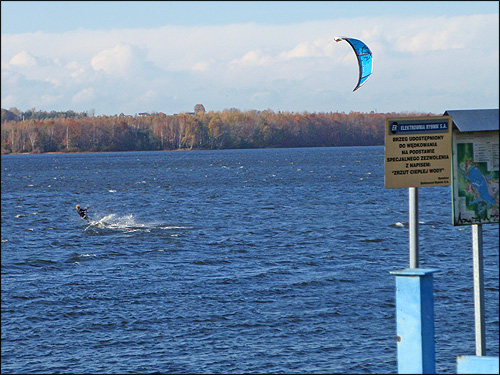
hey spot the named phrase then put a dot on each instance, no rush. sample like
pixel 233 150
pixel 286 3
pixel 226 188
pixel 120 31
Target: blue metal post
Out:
pixel 415 321
pixel 477 365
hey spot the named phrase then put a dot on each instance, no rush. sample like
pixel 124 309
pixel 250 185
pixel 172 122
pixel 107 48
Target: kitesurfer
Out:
pixel 82 212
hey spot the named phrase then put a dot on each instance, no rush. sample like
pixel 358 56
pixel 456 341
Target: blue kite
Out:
pixel 364 56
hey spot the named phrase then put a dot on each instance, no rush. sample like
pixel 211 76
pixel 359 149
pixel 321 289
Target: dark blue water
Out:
pixel 254 261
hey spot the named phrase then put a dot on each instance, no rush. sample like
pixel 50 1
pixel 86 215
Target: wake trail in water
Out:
pixel 127 223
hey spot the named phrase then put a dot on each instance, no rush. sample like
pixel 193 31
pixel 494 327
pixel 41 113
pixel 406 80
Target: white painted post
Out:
pixel 477 262
pixel 413 226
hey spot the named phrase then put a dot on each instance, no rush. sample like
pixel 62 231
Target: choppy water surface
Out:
pixel 263 261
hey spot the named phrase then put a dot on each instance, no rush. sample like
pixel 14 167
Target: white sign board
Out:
pixel 417 152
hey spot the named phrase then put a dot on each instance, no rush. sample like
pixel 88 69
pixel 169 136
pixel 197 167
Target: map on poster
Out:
pixel 475 178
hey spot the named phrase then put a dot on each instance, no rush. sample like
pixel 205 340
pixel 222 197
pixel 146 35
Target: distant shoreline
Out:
pixel 95 152
pixel 231 129
pixel 176 150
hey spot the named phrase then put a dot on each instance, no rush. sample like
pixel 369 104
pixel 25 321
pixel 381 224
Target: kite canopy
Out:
pixel 364 56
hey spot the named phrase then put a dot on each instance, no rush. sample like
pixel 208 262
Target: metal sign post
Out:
pixel 417 154
pixel 477 262
pixel 413 226
pixel 475 168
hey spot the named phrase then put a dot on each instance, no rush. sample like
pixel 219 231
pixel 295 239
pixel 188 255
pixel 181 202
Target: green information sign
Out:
pixel 475 178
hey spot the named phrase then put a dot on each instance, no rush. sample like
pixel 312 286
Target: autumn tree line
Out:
pixel 40 132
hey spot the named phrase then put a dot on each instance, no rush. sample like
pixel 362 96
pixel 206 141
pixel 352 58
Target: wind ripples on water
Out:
pixel 266 261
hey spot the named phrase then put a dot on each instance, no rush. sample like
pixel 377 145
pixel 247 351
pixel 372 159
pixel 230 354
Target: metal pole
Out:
pixel 413 226
pixel 477 262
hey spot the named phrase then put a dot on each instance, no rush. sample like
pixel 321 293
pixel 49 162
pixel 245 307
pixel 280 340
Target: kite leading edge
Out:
pixel 364 57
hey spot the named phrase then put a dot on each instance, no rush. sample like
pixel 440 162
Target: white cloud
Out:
pixel 84 96
pixel 150 94
pixel 9 101
pixel 251 58
pixel 120 60
pixel 46 100
pixel 202 66
pixel 276 66
pixel 437 35
pixel 317 48
pixel 53 80
pixel 23 59
pixel 261 95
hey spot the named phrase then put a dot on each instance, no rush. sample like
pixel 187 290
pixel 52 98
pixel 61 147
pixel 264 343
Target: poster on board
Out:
pixel 475 178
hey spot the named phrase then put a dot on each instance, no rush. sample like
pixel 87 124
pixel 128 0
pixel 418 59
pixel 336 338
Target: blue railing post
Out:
pixel 415 321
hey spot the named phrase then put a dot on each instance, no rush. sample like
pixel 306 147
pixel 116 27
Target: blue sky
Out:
pixel 130 57
pixel 59 16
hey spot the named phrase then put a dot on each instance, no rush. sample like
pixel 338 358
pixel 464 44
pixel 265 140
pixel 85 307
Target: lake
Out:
pixel 230 261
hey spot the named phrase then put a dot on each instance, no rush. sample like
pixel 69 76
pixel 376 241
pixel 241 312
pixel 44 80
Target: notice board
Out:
pixel 418 152
pixel 475 177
